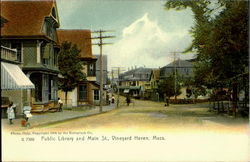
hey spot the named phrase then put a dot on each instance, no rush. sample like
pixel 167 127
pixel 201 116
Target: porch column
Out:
pixel 29 91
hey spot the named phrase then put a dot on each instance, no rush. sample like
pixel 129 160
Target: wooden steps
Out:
pixel 51 107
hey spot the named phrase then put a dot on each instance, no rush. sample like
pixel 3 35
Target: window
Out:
pixel 45 88
pixel 45 53
pixel 56 57
pixel 52 88
pixel 82 92
pixel 91 69
pixel 96 95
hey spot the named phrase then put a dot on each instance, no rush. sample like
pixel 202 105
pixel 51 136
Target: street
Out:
pixel 145 130
pixel 147 116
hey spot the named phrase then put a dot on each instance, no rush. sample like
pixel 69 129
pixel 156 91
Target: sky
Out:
pixel 146 35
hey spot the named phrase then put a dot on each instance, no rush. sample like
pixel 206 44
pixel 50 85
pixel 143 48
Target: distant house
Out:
pixel 31 30
pixel 87 92
pixel 182 68
pixel 104 69
pixel 154 81
pixel 135 82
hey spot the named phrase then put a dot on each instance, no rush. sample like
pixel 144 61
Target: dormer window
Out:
pixel 91 69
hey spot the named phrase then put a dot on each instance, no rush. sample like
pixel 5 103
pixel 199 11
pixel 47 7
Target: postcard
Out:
pixel 133 80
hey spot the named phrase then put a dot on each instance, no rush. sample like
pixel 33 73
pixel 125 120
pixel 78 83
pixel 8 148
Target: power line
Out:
pixel 100 37
pixel 118 69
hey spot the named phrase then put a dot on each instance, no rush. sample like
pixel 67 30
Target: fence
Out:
pixel 8 54
pixel 242 107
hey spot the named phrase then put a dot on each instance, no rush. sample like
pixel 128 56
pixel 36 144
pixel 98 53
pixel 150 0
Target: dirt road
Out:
pixel 148 116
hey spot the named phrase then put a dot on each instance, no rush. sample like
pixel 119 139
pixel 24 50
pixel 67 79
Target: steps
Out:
pixel 51 107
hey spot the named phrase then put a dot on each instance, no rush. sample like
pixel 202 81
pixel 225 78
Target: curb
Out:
pixel 68 119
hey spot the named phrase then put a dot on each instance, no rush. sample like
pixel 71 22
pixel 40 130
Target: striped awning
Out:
pixel 12 77
pixel 126 91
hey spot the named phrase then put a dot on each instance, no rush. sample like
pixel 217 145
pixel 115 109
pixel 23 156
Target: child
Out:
pixel 60 104
pixel 10 112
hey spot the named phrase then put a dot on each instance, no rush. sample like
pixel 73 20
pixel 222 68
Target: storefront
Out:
pixel 15 87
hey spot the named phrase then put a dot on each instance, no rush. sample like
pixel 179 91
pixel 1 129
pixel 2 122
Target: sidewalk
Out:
pixel 42 119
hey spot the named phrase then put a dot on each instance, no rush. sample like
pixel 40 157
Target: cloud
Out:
pixel 144 43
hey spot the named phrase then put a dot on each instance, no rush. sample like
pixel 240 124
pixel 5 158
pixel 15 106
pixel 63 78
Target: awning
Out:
pixel 126 91
pixel 12 77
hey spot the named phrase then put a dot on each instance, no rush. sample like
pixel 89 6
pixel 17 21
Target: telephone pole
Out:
pixel 100 37
pixel 174 76
pixel 175 73
pixel 118 69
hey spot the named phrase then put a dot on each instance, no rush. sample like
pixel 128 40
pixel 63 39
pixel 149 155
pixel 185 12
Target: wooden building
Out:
pixel 87 92
pixel 182 69
pixel 154 82
pixel 135 82
pixel 31 30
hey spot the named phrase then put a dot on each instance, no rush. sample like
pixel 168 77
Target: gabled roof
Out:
pixel 179 63
pixel 156 73
pixel 139 70
pixel 183 67
pixel 25 18
pixel 139 74
pixel 82 38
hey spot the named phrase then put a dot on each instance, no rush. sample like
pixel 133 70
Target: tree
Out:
pixel 70 67
pixel 220 39
pixel 170 86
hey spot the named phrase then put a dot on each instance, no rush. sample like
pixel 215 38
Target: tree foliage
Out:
pixel 220 38
pixel 70 67
pixel 170 86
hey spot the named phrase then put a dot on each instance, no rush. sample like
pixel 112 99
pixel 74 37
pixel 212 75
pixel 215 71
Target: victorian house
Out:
pixel 136 82
pixel 87 92
pixel 13 81
pixel 154 82
pixel 31 30
pixel 182 69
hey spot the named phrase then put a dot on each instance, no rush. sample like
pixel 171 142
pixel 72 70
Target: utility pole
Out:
pixel 174 76
pixel 118 93
pixel 100 44
pixel 118 86
pixel 112 81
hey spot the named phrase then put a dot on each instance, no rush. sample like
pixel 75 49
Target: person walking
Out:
pixel 113 99
pixel 11 112
pixel 128 100
pixel 60 104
